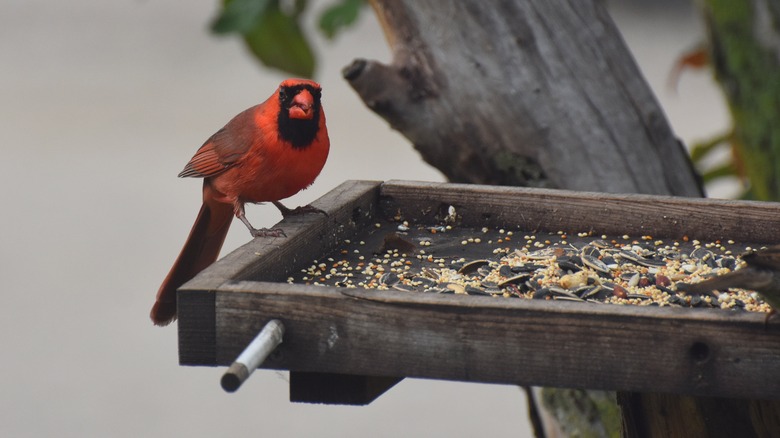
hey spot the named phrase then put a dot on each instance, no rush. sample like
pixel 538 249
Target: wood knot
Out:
pixel 699 352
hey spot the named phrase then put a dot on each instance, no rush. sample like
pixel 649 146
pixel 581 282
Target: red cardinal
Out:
pixel 268 152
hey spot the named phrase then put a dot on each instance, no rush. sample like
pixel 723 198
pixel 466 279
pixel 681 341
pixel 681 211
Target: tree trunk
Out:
pixel 532 93
pixel 538 93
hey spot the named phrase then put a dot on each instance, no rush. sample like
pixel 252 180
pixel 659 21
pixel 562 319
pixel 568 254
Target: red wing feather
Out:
pixel 205 163
pixel 223 149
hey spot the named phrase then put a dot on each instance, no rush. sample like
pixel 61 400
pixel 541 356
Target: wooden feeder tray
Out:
pixel 348 345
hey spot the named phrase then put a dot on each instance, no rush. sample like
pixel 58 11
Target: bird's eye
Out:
pixel 282 94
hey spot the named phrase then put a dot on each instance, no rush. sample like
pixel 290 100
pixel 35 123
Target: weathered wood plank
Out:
pixel 354 331
pixel 339 389
pixel 358 332
pixel 553 210
pixel 350 207
pixel 197 329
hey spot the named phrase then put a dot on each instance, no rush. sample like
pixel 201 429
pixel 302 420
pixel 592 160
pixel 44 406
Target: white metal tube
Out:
pixel 253 355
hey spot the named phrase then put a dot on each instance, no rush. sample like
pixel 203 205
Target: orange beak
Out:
pixel 302 105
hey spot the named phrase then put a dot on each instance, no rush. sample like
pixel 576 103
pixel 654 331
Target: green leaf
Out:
pixel 339 16
pixel 278 41
pixel 701 149
pixel 239 16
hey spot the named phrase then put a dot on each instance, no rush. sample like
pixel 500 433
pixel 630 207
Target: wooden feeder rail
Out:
pixel 349 345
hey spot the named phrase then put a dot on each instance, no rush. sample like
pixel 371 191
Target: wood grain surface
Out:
pixel 704 352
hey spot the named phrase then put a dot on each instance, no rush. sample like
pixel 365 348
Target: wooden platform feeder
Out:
pixel 349 345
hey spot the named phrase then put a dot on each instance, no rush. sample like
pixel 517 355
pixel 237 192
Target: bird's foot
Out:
pixel 258 232
pixel 267 232
pixel 286 212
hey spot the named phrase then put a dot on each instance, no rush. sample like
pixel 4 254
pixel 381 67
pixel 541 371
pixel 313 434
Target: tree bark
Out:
pixel 539 93
pixel 532 93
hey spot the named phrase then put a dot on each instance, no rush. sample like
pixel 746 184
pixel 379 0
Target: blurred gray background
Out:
pixel 101 105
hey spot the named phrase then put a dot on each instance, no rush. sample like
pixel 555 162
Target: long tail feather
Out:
pixel 200 250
